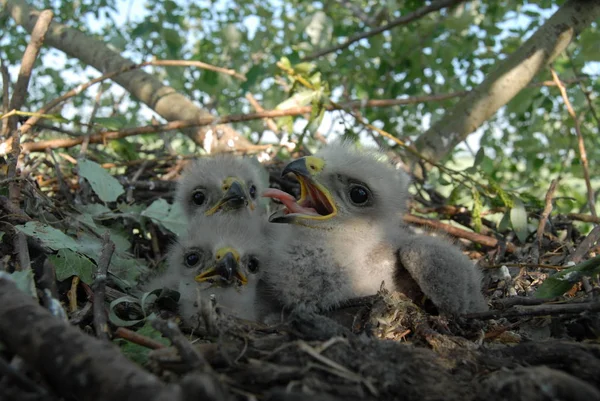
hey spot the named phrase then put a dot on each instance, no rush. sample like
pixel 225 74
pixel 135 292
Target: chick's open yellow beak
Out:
pixel 316 201
pixel 226 269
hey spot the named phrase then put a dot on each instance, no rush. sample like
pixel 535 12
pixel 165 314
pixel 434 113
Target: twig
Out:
pixel 137 338
pixel 585 245
pixel 539 310
pixel 586 93
pixel 18 98
pixel 587 218
pixel 458 232
pixel 403 20
pixel 5 96
pixel 189 355
pixel 199 64
pixel 205 121
pixel 62 185
pixel 506 303
pixel 99 287
pixel 86 142
pixel 20 245
pixel 582 152
pixel 80 88
pixel 544 216
pixel 268 121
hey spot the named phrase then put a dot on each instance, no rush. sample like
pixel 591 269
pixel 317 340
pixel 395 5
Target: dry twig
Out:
pixel 582 152
pixel 99 287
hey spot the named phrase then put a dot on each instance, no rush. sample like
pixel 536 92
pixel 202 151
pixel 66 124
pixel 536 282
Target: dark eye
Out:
pixel 359 194
pixel 253 265
pixel 252 191
pixel 192 259
pixel 198 197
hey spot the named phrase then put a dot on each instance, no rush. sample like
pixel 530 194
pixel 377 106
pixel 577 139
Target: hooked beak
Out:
pixel 226 270
pixel 234 198
pixel 315 203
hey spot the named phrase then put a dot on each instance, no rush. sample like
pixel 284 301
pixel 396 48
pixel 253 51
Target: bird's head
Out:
pixel 339 184
pixel 220 184
pixel 222 251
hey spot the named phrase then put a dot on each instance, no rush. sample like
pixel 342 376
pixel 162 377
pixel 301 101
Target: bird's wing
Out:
pixel 443 273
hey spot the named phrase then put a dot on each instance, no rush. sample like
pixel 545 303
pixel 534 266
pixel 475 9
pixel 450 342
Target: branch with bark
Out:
pixel 509 78
pixel 163 99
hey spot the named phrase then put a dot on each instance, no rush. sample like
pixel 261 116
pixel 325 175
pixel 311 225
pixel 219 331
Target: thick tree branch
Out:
pixel 403 20
pixel 163 99
pixel 511 75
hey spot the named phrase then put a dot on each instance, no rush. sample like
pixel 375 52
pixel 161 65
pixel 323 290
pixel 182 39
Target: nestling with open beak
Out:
pixel 220 256
pixel 347 236
pixel 223 183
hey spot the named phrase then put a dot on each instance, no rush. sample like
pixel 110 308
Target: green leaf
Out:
pixel 504 223
pixel 562 281
pixel 518 219
pixel 111 123
pixel 69 263
pixel 479 157
pixel 252 76
pixel 24 281
pixel 48 235
pixel 104 185
pixel 169 216
pixel 477 207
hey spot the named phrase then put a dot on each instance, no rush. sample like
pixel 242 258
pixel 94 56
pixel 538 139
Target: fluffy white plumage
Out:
pixel 347 236
pixel 203 247
pixel 206 181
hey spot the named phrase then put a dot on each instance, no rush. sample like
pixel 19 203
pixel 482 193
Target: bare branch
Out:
pixel 508 79
pixel 99 287
pixel 403 20
pixel 18 97
pixel 582 152
pixel 458 232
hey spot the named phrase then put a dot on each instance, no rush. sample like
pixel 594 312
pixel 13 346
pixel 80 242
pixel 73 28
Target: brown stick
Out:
pixel 586 244
pixel 545 214
pixel 458 232
pixel 403 20
pixel 582 152
pixel 189 355
pixel 268 121
pixel 18 98
pixel 587 218
pixel 5 96
pixel 31 121
pixel 99 287
pixel 182 124
pixel 137 338
pixel 539 310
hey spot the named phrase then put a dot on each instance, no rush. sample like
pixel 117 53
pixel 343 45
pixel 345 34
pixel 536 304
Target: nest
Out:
pixel 91 339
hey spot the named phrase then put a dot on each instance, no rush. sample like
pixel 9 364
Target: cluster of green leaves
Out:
pixel 443 52
pixel 77 252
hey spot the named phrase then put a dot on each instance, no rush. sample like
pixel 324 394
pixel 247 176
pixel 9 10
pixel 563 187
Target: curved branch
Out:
pixel 163 99
pixel 403 20
pixel 511 75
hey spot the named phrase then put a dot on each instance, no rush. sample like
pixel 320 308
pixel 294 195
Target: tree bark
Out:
pixel 512 75
pixel 163 99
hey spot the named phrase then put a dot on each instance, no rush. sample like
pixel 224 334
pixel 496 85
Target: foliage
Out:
pixel 562 281
pixel 529 142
